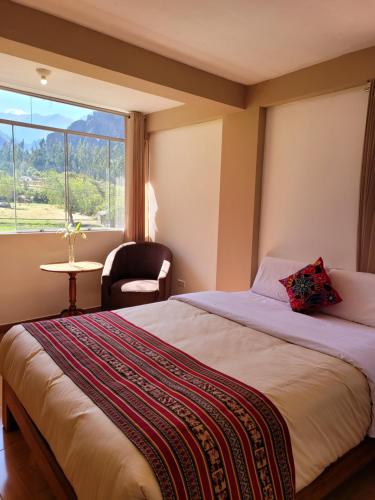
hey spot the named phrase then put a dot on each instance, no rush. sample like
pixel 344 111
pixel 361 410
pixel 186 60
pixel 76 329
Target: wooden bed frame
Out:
pixel 15 416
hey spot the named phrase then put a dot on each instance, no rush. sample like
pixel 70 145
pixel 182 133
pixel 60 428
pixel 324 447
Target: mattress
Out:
pixel 324 400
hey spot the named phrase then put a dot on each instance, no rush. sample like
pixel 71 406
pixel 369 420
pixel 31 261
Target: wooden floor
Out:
pixel 20 478
pixel 360 487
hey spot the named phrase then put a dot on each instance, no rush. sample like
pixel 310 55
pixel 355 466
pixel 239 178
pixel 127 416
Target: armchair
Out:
pixel 135 274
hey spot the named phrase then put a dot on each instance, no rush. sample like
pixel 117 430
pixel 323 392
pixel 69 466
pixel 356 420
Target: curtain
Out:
pixel 366 223
pixel 136 178
pixel 147 187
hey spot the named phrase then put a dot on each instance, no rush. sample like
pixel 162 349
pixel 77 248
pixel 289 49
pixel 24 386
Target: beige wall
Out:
pixel 238 246
pixel 26 292
pixel 311 176
pixel 207 97
pixel 239 189
pixel 184 200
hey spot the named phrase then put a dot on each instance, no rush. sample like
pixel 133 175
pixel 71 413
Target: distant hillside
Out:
pixel 3 139
pixel 29 135
pixel 96 122
pixel 100 123
pixel 55 120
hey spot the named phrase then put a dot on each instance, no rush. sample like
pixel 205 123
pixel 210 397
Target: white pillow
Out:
pixel 357 291
pixel 270 271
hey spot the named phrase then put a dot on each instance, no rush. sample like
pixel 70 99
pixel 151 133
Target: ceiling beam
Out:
pixel 27 33
pixel 343 72
pixel 189 114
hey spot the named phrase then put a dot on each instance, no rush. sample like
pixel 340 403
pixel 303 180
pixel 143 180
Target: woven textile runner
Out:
pixel 205 434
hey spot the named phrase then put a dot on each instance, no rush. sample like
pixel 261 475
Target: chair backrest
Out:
pixel 141 260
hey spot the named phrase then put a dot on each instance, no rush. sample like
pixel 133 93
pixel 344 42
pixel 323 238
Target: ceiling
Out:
pixel 244 40
pixel 21 74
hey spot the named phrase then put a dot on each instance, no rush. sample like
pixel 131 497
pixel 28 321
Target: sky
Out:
pixel 19 107
pixel 21 104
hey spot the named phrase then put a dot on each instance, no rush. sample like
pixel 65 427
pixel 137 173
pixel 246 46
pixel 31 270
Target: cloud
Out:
pixel 16 111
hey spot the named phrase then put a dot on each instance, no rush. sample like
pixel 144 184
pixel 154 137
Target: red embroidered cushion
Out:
pixel 310 288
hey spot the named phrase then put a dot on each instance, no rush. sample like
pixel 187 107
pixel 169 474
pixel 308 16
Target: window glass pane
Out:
pixel 71 117
pixel 49 177
pixel 56 114
pixel 7 214
pixel 88 165
pixel 101 123
pixel 40 180
pixel 117 184
pixel 15 107
pixel 42 111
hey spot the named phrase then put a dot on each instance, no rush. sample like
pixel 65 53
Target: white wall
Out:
pixel 184 200
pixel 312 164
pixel 26 292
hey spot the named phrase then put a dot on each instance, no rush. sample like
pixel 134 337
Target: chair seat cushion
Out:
pixel 139 285
pixel 133 292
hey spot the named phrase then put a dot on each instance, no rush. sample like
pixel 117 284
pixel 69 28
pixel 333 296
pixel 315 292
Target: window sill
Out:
pixel 90 231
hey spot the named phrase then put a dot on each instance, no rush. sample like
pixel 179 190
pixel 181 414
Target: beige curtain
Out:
pixel 136 178
pixel 366 224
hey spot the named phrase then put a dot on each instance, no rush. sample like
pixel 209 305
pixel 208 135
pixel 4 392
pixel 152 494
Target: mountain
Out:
pixel 3 139
pixel 56 120
pixel 30 135
pixel 96 122
pixel 99 122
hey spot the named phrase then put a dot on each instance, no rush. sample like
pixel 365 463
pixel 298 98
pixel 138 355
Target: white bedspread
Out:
pixel 351 342
pixel 324 400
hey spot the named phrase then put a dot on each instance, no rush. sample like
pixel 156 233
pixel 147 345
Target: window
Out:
pixel 59 163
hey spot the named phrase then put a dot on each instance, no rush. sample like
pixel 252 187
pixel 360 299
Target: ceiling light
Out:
pixel 43 73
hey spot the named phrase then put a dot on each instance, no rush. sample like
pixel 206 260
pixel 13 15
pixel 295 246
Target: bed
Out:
pixel 325 401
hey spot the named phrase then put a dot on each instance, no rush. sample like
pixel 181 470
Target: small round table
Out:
pixel 72 269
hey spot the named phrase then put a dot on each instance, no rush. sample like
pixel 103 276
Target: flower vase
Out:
pixel 71 251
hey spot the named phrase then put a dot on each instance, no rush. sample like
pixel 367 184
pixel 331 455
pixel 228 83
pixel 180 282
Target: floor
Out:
pixel 360 487
pixel 20 478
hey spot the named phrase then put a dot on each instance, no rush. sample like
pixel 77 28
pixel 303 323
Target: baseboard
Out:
pixel 6 327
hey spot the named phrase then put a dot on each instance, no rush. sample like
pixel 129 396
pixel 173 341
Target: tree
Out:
pixel 95 169
pixel 54 188
pixel 6 158
pixel 86 196
pixel 6 187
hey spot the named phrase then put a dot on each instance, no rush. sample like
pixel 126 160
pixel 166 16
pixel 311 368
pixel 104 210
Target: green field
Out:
pixel 40 216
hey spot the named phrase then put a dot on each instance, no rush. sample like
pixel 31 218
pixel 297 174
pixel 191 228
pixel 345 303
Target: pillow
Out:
pixel 310 288
pixel 358 293
pixel 270 271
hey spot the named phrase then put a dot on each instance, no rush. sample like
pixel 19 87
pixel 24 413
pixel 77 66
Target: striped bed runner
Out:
pixel 205 434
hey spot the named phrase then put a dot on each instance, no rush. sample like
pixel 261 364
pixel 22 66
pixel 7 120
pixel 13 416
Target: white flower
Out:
pixel 71 232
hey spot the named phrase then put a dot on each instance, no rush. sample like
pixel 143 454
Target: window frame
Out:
pixel 66 133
